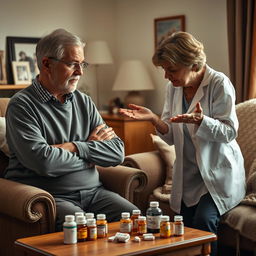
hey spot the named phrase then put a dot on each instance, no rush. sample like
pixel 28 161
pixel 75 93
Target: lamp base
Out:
pixel 134 97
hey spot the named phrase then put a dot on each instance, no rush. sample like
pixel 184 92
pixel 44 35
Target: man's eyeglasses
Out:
pixel 72 65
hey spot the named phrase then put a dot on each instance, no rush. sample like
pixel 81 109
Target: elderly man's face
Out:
pixel 64 76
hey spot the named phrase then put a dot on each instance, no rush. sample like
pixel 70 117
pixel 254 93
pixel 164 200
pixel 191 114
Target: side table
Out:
pixel 134 133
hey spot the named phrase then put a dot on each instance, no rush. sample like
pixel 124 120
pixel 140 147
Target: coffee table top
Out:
pixel 52 244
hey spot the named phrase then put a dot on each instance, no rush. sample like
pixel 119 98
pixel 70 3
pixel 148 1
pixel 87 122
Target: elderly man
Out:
pixel 56 135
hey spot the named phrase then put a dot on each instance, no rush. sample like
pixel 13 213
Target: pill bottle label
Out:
pixel 142 228
pixel 153 222
pixel 102 231
pixel 70 235
pixel 81 233
pixel 125 227
pixel 92 233
pixel 165 229
pixel 178 230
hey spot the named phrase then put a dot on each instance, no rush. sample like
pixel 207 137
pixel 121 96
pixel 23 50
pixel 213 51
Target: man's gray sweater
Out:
pixel 33 125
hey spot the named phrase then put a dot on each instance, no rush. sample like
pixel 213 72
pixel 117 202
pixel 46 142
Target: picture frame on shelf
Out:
pixel 21 72
pixel 165 26
pixel 21 49
pixel 3 79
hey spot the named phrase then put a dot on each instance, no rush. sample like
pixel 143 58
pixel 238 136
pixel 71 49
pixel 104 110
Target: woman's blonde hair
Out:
pixel 180 48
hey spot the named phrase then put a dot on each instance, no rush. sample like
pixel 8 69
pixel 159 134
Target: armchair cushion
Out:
pixel 3 143
pixel 167 153
pixel 242 219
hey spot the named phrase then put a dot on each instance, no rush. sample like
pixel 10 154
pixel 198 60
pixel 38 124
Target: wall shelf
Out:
pixel 12 86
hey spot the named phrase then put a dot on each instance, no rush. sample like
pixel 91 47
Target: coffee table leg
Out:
pixel 206 250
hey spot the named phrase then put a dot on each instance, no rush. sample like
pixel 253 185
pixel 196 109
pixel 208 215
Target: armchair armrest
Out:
pixel 151 163
pixel 26 202
pixel 125 181
pixel 154 167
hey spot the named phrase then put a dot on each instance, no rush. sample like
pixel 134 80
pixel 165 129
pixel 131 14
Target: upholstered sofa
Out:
pixel 27 210
pixel 238 226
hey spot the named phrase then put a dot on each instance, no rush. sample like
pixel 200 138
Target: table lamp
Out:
pixel 133 77
pixel 97 53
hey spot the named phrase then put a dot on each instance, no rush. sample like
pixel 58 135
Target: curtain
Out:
pixel 242 47
pixel 252 81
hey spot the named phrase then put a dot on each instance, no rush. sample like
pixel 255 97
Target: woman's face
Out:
pixel 179 75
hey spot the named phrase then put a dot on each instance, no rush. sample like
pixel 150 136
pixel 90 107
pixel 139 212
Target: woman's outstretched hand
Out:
pixel 137 112
pixel 194 118
pixel 145 114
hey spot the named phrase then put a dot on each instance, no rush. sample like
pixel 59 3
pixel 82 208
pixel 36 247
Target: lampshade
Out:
pixel 132 76
pixel 97 53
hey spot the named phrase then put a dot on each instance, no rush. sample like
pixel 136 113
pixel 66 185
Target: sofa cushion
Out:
pixel 167 153
pixel 243 219
pixel 3 144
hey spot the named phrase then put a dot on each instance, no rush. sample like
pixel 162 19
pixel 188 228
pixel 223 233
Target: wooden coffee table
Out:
pixel 194 242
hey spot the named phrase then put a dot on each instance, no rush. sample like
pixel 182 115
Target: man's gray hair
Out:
pixel 54 44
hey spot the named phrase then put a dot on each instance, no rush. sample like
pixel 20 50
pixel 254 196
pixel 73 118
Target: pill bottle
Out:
pixel 91 229
pixel 142 225
pixel 134 218
pixel 165 226
pixel 125 223
pixel 153 217
pixel 70 230
pixel 178 225
pixel 102 226
pixel 89 215
pixel 81 228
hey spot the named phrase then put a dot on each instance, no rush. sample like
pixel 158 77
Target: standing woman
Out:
pixel 199 118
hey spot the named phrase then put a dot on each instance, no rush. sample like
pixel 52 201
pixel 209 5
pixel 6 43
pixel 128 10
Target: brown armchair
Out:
pixel 237 229
pixel 27 211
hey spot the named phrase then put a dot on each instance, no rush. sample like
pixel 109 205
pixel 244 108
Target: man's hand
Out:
pixel 194 118
pixel 101 133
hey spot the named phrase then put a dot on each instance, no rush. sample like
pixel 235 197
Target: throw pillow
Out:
pixel 167 153
pixel 3 144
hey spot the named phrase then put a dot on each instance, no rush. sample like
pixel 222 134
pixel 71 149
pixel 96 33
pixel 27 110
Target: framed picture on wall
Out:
pixel 21 72
pixel 3 79
pixel 164 27
pixel 22 49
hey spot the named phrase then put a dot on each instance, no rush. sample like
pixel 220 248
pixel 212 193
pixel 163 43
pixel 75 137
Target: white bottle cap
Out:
pixel 89 215
pixel 178 218
pixel 165 218
pixel 69 218
pixel 101 216
pixel 149 238
pixel 142 218
pixel 80 219
pixel 91 222
pixel 137 239
pixel 125 215
pixel 147 234
pixel 136 211
pixel 154 204
pixel 79 213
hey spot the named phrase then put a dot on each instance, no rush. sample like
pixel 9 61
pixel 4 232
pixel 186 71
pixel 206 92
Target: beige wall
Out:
pixel 206 19
pixel 127 26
